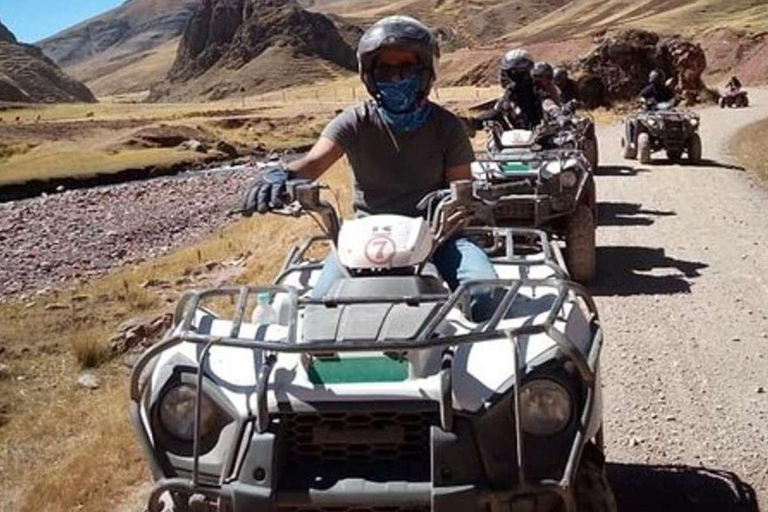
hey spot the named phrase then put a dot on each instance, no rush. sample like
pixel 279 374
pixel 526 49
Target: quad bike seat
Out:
pixel 371 320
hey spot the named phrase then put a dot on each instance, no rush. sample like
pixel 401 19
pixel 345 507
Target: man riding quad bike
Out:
pixel 660 126
pixel 425 366
pixel 523 104
pixel 543 179
pixel 734 96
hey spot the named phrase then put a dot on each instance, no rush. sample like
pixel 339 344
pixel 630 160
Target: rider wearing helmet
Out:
pixel 657 90
pixel 399 145
pixel 521 105
pixel 734 84
pixel 567 87
pixel 543 75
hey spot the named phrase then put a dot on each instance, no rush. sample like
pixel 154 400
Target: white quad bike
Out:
pixel 541 180
pixel 384 395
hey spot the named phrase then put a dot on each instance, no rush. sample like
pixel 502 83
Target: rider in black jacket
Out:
pixel 521 106
pixel 657 90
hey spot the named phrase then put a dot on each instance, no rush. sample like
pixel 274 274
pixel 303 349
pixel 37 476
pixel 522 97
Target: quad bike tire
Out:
pixel 674 156
pixel 721 102
pixel 630 152
pixel 592 489
pixel 591 152
pixel 694 148
pixel 581 257
pixel 644 148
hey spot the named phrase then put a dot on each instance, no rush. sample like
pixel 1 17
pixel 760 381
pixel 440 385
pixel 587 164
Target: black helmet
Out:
pixel 400 32
pixel 656 77
pixel 516 61
pixel 560 74
pixel 542 70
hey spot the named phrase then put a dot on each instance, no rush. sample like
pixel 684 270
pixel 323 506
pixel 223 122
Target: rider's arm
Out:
pixel 459 172
pixel 320 158
pixel 458 153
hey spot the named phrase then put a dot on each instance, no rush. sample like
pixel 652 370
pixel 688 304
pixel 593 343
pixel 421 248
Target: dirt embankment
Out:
pixel 750 149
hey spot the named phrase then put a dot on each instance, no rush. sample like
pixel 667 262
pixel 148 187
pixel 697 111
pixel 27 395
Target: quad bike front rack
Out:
pixel 426 338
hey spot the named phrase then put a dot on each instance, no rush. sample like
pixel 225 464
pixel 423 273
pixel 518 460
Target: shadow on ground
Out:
pixel 628 214
pixel 704 162
pixel 625 271
pixel 640 488
pixel 620 170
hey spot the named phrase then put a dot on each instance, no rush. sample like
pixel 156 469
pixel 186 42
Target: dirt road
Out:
pixel 683 292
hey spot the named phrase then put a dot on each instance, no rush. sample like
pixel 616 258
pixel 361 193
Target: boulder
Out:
pixel 618 68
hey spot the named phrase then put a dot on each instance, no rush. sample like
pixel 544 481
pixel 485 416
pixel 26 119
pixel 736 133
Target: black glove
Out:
pixel 266 192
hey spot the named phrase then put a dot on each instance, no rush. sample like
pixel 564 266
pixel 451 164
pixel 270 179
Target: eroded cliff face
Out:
pixel 26 75
pixel 224 39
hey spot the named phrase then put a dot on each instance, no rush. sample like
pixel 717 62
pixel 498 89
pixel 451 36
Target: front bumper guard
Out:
pixel 253 496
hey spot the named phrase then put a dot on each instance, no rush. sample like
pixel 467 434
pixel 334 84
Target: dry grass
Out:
pixel 67 449
pixel 89 346
pixel 66 160
pixel 750 149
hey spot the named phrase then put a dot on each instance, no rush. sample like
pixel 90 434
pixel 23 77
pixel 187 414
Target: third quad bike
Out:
pixel 734 98
pixel 386 394
pixel 661 127
pixel 535 181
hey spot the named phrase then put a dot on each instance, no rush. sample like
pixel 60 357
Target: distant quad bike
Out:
pixel 733 98
pixel 539 183
pixel 386 394
pixel 661 127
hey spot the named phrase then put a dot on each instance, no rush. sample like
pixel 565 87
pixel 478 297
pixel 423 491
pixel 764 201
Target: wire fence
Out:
pixel 347 95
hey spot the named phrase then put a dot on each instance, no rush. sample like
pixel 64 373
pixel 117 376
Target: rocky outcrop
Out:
pixel 26 75
pixel 225 36
pixel 618 68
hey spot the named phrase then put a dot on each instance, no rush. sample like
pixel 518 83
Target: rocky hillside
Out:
pixel 123 50
pixel 26 75
pixel 255 45
pixel 461 23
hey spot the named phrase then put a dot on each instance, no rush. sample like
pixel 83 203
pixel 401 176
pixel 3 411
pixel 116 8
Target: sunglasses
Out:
pixel 395 72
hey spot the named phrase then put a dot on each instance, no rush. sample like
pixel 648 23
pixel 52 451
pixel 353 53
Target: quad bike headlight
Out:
pixel 177 413
pixel 545 407
pixel 694 121
pixel 568 179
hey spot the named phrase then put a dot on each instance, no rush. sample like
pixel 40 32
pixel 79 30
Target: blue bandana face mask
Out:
pixel 397 104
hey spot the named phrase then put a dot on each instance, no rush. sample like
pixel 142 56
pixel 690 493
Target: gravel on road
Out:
pixel 683 294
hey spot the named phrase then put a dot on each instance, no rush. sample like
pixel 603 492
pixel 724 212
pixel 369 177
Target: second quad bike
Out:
pixel 551 189
pixel 661 127
pixel 386 394
pixel 734 98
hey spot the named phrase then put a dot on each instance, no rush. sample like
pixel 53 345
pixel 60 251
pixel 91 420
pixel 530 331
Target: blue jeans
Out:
pixel 457 260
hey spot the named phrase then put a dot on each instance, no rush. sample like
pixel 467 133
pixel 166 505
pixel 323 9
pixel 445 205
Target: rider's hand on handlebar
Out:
pixel 267 191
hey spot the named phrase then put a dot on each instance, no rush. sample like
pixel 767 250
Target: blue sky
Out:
pixel 32 20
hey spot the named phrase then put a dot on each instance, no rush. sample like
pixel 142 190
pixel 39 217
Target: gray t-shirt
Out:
pixel 392 176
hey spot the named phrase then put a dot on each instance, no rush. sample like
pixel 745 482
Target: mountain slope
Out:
pixel 232 46
pixel 460 22
pixel 130 41
pixel 26 75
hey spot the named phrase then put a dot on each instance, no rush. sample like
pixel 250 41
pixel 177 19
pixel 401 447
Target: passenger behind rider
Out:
pixel 657 91
pixel 399 145
pixel 544 83
pixel 569 91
